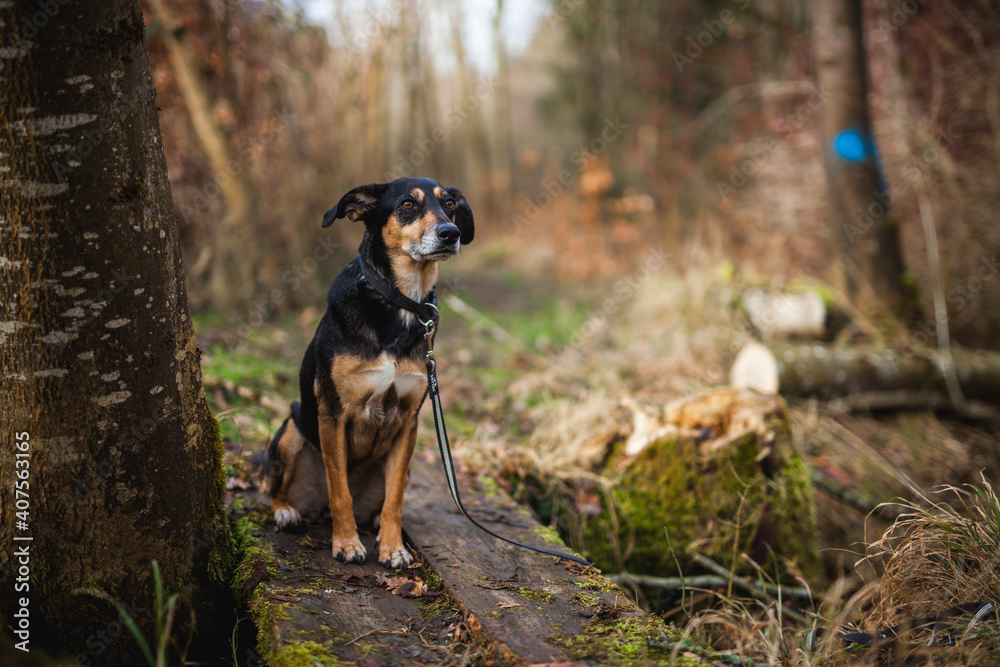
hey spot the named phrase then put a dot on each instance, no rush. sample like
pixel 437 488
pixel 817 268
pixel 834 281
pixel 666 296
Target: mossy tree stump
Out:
pixel 719 477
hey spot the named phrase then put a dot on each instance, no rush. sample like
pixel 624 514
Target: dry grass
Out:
pixel 940 554
pixel 575 435
pixel 936 556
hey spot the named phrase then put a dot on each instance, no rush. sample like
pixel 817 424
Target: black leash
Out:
pixel 428 315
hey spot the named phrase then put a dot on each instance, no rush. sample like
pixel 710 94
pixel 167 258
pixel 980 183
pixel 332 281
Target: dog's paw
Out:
pixel 349 551
pixel 287 517
pixel 395 559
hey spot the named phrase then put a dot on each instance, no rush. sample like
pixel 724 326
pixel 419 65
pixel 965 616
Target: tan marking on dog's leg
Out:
pixel 333 443
pixel 287 453
pixel 391 552
pixel 285 515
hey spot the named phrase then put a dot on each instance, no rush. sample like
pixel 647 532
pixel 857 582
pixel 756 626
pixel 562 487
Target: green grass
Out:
pixel 266 360
pixel 249 369
pixel 553 319
pixel 542 318
pixel 165 611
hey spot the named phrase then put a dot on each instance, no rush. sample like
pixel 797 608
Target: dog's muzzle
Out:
pixel 441 242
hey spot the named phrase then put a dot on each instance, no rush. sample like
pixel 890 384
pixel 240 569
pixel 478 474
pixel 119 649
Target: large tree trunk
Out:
pixel 99 365
pixel 871 256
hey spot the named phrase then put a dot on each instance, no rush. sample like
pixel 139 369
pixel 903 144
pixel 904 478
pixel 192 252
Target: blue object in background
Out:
pixel 850 145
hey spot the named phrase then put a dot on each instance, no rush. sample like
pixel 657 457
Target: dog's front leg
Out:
pixel 347 546
pixel 391 552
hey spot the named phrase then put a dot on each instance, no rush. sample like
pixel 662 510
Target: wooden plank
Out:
pixel 520 598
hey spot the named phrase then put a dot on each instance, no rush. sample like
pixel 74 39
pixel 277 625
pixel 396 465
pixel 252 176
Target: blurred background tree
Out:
pixel 590 127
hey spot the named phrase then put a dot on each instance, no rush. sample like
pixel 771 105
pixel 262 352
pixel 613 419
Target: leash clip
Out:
pixel 430 327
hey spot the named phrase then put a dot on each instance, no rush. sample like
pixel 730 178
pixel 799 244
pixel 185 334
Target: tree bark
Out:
pixel 871 255
pixel 99 365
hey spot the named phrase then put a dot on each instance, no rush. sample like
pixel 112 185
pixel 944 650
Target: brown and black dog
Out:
pixel 347 444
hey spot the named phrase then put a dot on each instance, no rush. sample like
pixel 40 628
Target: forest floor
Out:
pixel 529 362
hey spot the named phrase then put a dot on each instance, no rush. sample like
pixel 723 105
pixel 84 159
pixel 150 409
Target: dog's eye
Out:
pixel 450 204
pixel 408 205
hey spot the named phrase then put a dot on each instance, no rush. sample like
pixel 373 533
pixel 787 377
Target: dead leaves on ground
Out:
pixel 404 587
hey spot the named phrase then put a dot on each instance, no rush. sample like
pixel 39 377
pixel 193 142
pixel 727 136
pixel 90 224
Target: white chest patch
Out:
pixel 410 383
pixel 382 376
pixel 386 374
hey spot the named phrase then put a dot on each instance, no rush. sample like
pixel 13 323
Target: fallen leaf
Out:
pixel 605 611
pixel 408 590
pixel 393 582
pixel 235 483
pixel 259 574
pixel 404 587
pixel 283 598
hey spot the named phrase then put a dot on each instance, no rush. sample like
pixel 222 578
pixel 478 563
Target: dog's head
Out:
pixel 417 217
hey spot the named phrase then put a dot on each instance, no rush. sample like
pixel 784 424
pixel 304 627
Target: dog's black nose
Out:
pixel 448 233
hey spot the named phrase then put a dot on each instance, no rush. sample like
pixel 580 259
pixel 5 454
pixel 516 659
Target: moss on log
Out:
pixel 723 482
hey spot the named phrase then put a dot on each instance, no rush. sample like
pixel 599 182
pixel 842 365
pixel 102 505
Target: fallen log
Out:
pixel 466 595
pixel 862 379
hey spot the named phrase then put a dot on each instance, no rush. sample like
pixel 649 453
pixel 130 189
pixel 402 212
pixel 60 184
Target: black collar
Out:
pixel 425 312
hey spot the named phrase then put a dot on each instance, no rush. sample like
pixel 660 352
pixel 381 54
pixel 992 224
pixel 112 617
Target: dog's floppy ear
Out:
pixel 355 204
pixel 463 215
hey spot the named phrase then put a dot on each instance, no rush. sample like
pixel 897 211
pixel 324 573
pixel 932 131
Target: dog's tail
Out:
pixel 273 465
pixel 296 415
